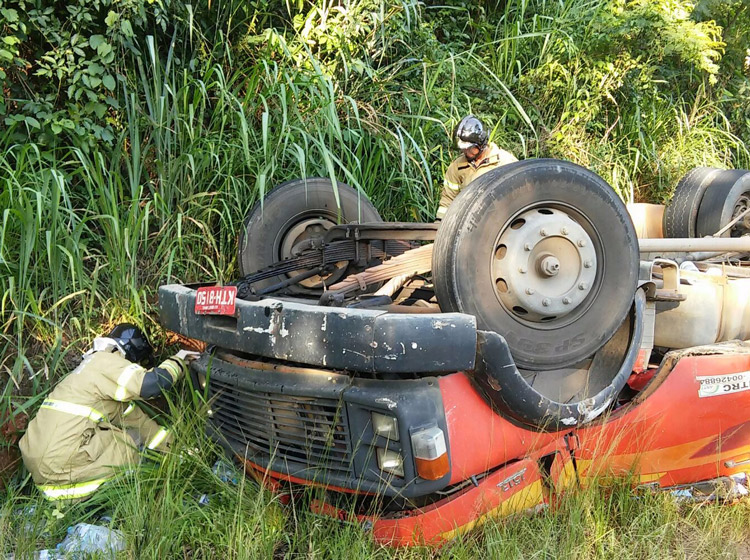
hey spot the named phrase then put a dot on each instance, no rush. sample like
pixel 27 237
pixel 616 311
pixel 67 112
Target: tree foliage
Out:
pixel 61 63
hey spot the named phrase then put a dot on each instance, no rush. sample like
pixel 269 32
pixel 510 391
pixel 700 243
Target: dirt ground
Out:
pixel 11 429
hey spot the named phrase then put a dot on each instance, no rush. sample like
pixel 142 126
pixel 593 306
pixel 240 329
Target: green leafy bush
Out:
pixel 61 64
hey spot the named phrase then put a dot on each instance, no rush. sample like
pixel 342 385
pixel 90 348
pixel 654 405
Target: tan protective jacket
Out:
pixel 462 172
pixel 80 434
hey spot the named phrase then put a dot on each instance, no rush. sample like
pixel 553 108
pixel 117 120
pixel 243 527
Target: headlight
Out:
pixel 384 425
pixel 390 461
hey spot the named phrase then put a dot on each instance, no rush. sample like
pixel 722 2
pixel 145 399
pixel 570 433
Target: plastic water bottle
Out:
pixel 225 471
pixel 81 542
pixel 89 539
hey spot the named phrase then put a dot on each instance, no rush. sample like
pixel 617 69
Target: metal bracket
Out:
pixel 731 464
pixel 671 277
pixel 572 443
pixel 402 231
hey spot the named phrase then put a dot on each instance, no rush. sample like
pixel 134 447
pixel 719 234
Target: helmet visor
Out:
pixel 105 344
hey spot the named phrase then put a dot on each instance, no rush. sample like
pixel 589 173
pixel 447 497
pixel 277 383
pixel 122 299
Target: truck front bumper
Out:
pixel 357 340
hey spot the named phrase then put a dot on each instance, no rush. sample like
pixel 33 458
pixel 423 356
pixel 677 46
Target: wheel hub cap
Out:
pixel 548 265
pixel 544 265
pixel 301 237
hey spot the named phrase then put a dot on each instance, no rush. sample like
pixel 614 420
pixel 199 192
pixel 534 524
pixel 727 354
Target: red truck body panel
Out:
pixel 675 433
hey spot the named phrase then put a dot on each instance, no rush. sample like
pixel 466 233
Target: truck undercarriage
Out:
pixel 428 376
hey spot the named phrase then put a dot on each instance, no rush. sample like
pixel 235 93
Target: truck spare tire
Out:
pixel 542 252
pixel 293 214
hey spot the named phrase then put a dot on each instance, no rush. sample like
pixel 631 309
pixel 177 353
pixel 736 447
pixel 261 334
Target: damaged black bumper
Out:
pixel 360 340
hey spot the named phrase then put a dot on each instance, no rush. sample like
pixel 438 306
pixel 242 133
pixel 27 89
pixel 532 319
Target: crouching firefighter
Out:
pixel 89 425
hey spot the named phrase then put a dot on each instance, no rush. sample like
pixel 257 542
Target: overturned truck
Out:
pixel 426 377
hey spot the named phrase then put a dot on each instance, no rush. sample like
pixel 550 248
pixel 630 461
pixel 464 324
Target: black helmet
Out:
pixel 133 342
pixel 470 131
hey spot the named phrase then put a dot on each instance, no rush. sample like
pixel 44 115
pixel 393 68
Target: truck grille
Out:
pixel 304 430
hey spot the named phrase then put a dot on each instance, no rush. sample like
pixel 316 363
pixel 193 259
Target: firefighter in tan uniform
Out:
pixel 479 156
pixel 89 424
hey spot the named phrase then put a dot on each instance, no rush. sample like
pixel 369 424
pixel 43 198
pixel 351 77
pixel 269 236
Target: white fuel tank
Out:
pixel 716 309
pixel 647 219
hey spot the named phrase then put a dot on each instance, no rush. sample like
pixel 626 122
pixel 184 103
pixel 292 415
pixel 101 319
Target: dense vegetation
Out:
pixel 136 134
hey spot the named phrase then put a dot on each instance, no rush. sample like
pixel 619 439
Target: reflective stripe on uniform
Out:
pixel 158 438
pixel 131 408
pixel 74 409
pixel 173 369
pixel 121 393
pixel 70 491
pixel 441 212
pixel 452 186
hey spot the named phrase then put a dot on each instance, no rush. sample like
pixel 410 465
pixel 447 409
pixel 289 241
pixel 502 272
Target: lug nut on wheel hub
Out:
pixel 549 265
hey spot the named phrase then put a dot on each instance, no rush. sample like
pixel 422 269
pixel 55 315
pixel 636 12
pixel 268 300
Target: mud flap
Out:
pixel 510 394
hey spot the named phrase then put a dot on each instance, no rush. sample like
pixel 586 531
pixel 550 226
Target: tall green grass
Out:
pixel 88 235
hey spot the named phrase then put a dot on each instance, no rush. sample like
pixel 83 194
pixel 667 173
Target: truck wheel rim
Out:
pixel 742 227
pixel 545 265
pixel 297 234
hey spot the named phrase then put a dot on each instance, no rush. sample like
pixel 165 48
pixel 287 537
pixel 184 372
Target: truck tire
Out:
pixel 681 213
pixel 544 253
pixel 728 196
pixel 294 211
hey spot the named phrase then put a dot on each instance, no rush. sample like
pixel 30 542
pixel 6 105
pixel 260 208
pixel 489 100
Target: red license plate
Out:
pixel 215 300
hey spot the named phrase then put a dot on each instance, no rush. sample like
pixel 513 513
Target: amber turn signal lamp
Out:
pixel 434 469
pixel 431 453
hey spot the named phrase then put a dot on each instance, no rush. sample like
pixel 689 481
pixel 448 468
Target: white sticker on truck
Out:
pixel 717 385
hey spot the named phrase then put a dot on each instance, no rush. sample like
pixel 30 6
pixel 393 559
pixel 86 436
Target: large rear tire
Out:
pixel 542 252
pixel 681 213
pixel 294 212
pixel 728 196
